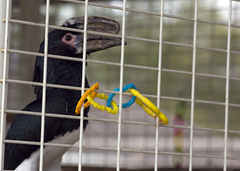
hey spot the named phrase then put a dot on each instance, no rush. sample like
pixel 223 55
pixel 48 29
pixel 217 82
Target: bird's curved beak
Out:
pixel 95 42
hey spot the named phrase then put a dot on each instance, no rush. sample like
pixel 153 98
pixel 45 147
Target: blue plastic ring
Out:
pixel 125 88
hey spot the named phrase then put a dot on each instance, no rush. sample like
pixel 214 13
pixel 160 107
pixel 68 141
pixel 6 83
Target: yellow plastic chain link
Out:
pixel 102 107
pixel 148 106
pixel 84 96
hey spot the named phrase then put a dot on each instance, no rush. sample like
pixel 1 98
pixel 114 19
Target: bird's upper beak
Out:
pixel 95 42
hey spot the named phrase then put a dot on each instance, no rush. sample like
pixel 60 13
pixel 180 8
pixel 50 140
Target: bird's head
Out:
pixel 69 43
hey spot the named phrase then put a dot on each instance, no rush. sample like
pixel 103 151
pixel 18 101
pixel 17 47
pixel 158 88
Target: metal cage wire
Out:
pixel 5 7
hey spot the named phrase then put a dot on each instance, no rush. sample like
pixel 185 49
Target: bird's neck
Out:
pixel 63 72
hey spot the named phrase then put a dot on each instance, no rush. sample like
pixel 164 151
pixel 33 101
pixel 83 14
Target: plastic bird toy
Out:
pixel 102 107
pixel 149 107
pixel 90 95
pixel 84 96
pixel 125 88
pixel 112 107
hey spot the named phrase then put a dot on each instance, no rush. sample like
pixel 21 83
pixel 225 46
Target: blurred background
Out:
pixel 143 53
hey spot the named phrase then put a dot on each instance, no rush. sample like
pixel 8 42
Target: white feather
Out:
pixel 52 156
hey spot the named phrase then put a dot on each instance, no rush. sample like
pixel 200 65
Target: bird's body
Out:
pixel 58 101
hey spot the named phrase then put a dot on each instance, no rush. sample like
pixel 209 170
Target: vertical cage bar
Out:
pixel 193 85
pixel 121 86
pixel 159 84
pixel 83 83
pixel 5 13
pixel 227 84
pixel 44 84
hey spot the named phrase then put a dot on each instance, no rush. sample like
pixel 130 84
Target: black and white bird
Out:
pixel 58 101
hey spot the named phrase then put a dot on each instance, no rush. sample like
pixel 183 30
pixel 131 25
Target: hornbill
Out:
pixel 58 101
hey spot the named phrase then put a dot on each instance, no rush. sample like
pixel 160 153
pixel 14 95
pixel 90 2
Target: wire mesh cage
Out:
pixel 181 54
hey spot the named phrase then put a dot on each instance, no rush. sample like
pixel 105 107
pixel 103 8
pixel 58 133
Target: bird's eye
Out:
pixel 68 38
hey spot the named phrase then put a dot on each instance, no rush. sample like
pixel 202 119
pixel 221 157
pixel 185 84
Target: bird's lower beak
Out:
pixel 95 42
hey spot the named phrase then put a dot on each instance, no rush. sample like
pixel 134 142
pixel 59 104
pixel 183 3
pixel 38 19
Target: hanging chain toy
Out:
pixel 125 88
pixel 90 94
pixel 112 107
pixel 84 96
pixel 148 106
pixel 102 107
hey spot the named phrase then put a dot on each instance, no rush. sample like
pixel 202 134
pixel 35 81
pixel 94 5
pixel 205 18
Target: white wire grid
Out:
pixel 5 7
